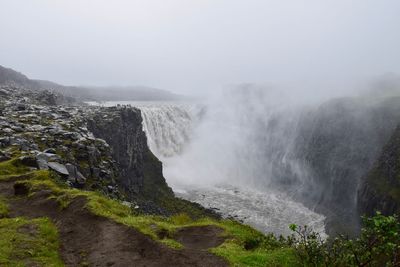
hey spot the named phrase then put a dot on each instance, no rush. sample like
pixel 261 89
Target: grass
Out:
pixel 3 208
pixel 244 246
pixel 26 242
pixel 237 256
pixel 12 167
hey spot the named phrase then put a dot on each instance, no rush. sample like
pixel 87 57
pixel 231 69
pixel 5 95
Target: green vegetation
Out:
pixel 3 208
pixel 377 245
pixel 12 167
pixel 244 246
pixel 26 242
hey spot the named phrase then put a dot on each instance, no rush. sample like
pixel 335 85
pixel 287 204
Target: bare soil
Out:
pixel 90 240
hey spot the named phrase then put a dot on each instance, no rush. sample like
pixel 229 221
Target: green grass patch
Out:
pixel 26 242
pixel 260 257
pixel 12 167
pixel 3 207
pixel 244 246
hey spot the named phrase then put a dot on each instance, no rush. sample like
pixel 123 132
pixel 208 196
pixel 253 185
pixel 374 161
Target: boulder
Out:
pixel 58 167
pixel 42 164
pixel 47 157
pixel 29 161
pixel 74 175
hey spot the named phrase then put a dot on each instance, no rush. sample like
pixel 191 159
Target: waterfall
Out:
pixel 234 155
pixel 168 127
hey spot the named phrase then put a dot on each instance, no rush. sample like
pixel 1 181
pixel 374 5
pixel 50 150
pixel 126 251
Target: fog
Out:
pixel 195 47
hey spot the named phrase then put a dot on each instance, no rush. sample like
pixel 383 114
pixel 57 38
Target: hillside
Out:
pixel 89 93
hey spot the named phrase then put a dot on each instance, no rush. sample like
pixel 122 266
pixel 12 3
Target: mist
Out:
pixel 197 47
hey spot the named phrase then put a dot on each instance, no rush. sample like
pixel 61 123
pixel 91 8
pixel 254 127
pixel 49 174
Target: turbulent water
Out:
pixel 230 159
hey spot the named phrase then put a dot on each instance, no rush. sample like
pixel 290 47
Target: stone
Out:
pixel 4 157
pixel 42 164
pixel 47 157
pixel 58 167
pixel 50 151
pixel 74 174
pixel 29 161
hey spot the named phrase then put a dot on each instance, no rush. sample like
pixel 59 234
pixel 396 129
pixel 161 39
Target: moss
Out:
pixel 12 167
pixel 26 242
pixel 3 208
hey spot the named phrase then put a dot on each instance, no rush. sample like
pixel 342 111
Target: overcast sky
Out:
pixel 198 45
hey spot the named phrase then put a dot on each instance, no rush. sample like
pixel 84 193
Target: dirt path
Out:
pixel 200 238
pixel 96 241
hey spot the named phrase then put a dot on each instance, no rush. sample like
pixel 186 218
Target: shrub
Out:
pixel 377 245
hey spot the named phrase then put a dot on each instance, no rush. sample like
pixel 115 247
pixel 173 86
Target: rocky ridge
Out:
pixel 55 137
pixel 91 148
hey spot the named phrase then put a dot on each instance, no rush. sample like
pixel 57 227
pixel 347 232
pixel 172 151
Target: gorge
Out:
pixel 254 155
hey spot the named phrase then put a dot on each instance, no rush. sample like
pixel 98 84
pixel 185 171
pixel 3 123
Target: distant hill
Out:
pixel 90 93
pixel 11 76
pixel 111 93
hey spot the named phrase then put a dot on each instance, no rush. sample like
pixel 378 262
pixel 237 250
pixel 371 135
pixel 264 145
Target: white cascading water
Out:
pixel 168 127
pixel 227 155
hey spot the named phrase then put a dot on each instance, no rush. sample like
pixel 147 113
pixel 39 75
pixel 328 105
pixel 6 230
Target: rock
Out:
pixel 17 129
pixel 59 168
pixel 74 175
pixel 20 106
pixel 8 130
pixel 4 156
pixel 47 157
pixel 42 164
pixel 50 151
pixel 4 141
pixel 29 161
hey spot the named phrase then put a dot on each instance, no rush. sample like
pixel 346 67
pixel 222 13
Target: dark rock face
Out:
pixel 380 190
pixel 339 142
pixel 140 172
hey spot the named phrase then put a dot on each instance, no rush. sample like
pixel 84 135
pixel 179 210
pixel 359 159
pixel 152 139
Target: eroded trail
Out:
pixel 96 241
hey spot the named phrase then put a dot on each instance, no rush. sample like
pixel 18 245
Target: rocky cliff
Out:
pixel 380 190
pixel 140 172
pixel 338 143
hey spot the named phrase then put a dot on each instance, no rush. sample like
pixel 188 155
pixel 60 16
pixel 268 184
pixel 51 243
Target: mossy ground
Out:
pixel 3 207
pixel 244 246
pixel 26 242
pixel 12 167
